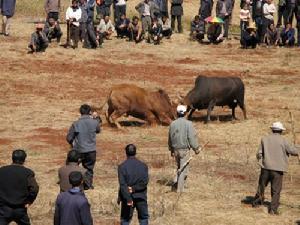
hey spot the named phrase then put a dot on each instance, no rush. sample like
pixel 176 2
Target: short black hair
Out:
pixel 130 150
pixel 73 156
pixel 19 156
pixel 85 109
pixel 75 178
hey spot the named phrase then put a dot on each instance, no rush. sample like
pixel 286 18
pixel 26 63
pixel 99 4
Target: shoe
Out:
pixel 257 203
pixel 273 212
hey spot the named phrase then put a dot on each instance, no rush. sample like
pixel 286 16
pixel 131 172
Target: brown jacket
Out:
pixel 63 175
pixel 274 151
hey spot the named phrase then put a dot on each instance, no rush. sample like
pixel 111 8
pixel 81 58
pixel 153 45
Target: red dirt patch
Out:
pixel 5 141
pixel 231 176
pixel 187 60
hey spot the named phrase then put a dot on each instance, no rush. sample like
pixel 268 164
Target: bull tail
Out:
pixel 99 109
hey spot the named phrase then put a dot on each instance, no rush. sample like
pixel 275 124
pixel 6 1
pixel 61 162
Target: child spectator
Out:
pixel 39 41
pixel 122 26
pixel 166 27
pixel 135 30
pixel 52 30
pixel 197 34
pixel 155 31
pixel 244 17
pixel 288 36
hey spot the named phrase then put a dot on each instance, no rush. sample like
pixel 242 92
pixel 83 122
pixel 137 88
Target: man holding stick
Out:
pixel 182 138
pixel 272 156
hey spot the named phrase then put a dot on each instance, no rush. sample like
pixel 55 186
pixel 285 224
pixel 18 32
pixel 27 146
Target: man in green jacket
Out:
pixel 182 138
pixel 272 156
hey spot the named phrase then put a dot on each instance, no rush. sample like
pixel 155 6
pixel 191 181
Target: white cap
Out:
pixel 181 109
pixel 277 126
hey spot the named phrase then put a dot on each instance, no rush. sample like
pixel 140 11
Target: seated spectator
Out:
pixel 72 164
pixel 39 40
pixel 105 30
pixel 272 36
pixel 249 38
pixel 155 31
pixel 72 207
pixel 288 36
pixel 215 33
pixel 52 30
pixel 166 27
pixel 197 31
pixel 135 30
pixel 122 26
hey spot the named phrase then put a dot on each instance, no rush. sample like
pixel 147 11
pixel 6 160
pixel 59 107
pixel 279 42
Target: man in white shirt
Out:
pixel 104 30
pixel 73 15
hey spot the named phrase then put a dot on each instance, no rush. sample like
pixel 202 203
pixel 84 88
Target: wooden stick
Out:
pixel 293 131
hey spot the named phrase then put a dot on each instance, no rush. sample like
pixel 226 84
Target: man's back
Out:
pixel 15 180
pixel 72 208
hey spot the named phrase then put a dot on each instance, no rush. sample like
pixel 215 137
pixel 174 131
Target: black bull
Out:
pixel 216 91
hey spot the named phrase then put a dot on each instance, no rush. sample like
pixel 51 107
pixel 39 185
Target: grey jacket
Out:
pixel 176 7
pixel 274 151
pixel 182 135
pixel 82 134
pixel 52 5
pixel 154 9
pixel 228 5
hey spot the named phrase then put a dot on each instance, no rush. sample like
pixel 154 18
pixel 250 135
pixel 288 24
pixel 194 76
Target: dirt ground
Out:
pixel 40 96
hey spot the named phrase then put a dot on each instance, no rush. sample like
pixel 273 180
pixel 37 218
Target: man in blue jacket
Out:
pixel 133 181
pixel 82 137
pixel 7 10
pixel 72 207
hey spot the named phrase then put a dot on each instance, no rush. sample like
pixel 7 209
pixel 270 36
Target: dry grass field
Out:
pixel 40 96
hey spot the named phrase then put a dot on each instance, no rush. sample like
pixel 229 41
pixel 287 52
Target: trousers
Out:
pixel 88 161
pixel 179 24
pixel 18 215
pixel 181 156
pixel 141 206
pixel 6 23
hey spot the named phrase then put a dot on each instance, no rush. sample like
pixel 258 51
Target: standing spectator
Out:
pixel 135 30
pixel 72 164
pixel 166 27
pixel 249 37
pixel 272 156
pixel 105 30
pixel 72 207
pixel 39 41
pixel 18 190
pixel 223 11
pixel 120 9
pixel 52 8
pixel 182 138
pixel 205 10
pixel 197 34
pixel 147 10
pixel 73 16
pixel 244 17
pixel 291 9
pixel 82 137
pixel 288 36
pixel 52 30
pixel 103 7
pixel 280 11
pixel 215 33
pixel 7 10
pixel 122 26
pixel 268 9
pixel 163 7
pixel 272 36
pixel 176 14
pixel 257 15
pixel 133 180
pixel 155 31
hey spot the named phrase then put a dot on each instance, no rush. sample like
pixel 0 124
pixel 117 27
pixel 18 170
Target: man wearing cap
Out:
pixel 272 156
pixel 133 180
pixel 182 138
pixel 39 41
pixel 72 207
pixel 18 190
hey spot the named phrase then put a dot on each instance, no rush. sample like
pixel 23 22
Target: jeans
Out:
pixel 119 11
pixel 141 206
pixel 259 26
pixel 88 161
pixel 281 11
pixel 18 215
pixel 226 20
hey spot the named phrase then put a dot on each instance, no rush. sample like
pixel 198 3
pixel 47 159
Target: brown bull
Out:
pixel 131 100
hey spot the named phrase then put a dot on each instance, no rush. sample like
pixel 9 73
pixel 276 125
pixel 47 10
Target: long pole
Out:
pixel 293 131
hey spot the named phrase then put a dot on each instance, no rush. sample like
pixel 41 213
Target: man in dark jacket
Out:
pixel 7 10
pixel 72 207
pixel 257 16
pixel 52 30
pixel 82 137
pixel 122 26
pixel 205 9
pixel 18 190
pixel 223 11
pixel 52 8
pixel 133 181
pixel 176 13
pixel 288 36
pixel 72 164
pixel 197 30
